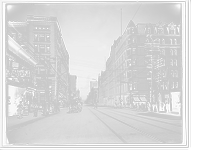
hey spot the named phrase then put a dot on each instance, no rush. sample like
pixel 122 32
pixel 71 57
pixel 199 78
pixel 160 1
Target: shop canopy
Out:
pixel 143 98
pixel 136 99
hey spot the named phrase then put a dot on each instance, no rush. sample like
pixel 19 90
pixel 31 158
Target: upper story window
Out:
pixel 171 52
pixel 42 28
pixel 175 41
pixel 172 31
pixel 170 41
pixel 149 30
pixel 163 51
pixel 160 31
pixel 175 52
pixel 163 41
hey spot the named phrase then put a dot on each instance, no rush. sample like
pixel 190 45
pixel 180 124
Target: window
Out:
pixel 129 74
pixel 172 85
pixel 128 53
pixel 47 48
pixel 42 70
pixel 130 87
pixel 172 31
pixel 171 62
pixel 176 86
pixel 36 48
pixel 149 31
pixel 134 86
pixel 175 41
pixel 19 35
pixel 42 49
pixel 163 51
pixel 133 40
pixel 175 62
pixel 47 38
pixel 41 38
pixel 171 41
pixel 133 51
pixel 128 62
pixel 35 37
pixel 160 31
pixel 172 73
pixel 163 73
pixel 165 85
pixel 175 73
pixel 163 41
pixel 42 58
pixel 175 52
pixel 157 41
pixel 134 73
pixel 129 41
pixel 134 62
pixel 171 52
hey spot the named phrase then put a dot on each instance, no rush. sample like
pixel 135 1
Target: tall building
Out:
pixel 41 43
pixel 93 84
pixel 144 69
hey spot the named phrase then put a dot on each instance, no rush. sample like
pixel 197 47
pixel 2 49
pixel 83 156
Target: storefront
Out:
pixel 16 94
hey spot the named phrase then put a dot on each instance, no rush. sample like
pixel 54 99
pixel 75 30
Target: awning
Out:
pixel 14 83
pixel 30 90
pixel 143 99
pixel 136 99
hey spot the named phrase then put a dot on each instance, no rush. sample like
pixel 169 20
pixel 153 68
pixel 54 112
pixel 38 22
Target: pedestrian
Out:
pixel 179 108
pixel 35 110
pixel 19 109
pixel 167 107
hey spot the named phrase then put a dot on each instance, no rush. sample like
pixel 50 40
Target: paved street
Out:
pixel 95 126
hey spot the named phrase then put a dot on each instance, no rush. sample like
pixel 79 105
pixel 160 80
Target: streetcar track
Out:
pixel 140 116
pixel 118 136
pixel 147 123
pixel 138 130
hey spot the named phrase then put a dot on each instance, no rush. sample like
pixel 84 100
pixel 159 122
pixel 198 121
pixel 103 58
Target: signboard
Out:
pixel 18 73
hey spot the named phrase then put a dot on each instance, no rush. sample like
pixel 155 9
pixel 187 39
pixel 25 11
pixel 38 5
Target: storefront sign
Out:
pixel 18 73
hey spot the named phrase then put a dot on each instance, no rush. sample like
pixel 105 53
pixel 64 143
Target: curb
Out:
pixel 27 122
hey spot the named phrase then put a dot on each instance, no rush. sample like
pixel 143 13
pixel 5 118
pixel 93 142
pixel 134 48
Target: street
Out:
pixel 104 125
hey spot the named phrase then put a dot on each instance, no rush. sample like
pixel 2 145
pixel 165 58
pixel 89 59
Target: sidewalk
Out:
pixel 13 122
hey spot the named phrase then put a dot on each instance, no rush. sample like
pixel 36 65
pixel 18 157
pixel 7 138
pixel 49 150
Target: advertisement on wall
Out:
pixel 18 73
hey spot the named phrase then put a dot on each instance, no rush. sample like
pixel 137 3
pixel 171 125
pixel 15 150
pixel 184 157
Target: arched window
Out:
pixel 163 41
pixel 175 41
pixel 171 41
pixel 133 40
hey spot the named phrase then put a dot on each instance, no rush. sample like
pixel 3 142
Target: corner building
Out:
pixel 127 73
pixel 40 42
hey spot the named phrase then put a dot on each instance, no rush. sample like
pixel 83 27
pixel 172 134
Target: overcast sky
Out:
pixel 89 29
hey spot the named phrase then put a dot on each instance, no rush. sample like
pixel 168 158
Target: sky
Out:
pixel 89 29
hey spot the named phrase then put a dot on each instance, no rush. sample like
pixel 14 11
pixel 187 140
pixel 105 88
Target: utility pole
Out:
pixel 168 85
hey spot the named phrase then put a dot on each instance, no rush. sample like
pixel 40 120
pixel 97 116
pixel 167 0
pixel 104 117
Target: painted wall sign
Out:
pixel 18 73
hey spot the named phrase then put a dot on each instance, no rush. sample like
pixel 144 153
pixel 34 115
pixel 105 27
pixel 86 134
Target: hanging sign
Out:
pixel 18 73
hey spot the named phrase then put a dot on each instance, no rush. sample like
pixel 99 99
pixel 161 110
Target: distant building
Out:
pixel 93 84
pixel 72 85
pixel 144 69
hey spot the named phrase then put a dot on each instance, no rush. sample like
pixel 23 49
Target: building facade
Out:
pixel 41 42
pixel 20 67
pixel 144 69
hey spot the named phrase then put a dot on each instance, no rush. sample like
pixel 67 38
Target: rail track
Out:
pixel 101 114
